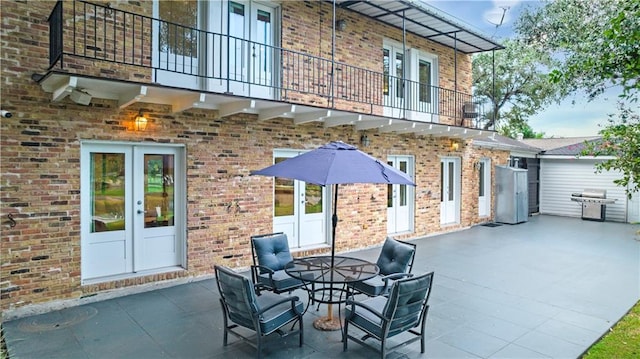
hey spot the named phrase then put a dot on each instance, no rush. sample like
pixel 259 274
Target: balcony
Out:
pixel 100 52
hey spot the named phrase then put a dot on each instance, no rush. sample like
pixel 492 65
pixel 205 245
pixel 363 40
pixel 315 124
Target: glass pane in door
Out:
pixel 481 175
pixel 283 195
pixel 451 178
pixel 236 40
pixel 178 36
pixel 313 198
pixel 399 75
pixel 403 187
pixel 107 192
pixel 385 65
pixel 159 194
pixel 262 51
pixel 424 73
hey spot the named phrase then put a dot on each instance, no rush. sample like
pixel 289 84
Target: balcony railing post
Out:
pixel 55 34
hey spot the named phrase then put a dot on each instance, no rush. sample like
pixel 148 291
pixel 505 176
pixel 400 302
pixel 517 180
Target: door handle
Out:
pixel 141 211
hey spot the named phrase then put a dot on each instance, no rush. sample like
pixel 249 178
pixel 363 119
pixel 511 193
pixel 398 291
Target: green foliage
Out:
pixel 520 88
pixel 620 139
pixel 596 43
pixel 513 128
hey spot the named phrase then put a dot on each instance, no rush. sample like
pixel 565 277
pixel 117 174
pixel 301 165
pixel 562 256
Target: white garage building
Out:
pixel 563 172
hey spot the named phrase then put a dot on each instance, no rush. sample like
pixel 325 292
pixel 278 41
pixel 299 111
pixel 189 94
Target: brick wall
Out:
pixel 40 174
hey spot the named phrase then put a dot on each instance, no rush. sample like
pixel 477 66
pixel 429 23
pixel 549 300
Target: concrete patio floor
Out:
pixel 547 288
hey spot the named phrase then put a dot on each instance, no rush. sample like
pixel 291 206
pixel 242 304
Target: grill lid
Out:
pixel 594 193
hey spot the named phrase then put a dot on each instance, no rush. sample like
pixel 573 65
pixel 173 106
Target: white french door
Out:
pixel 417 97
pixel 177 45
pixel 400 198
pixel 300 208
pixel 250 59
pixel 133 210
pixel 227 44
pixel 423 93
pixel 449 190
pixel 393 60
pixel 484 187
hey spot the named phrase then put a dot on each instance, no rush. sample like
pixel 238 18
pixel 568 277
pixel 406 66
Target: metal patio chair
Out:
pixel 270 256
pixel 395 261
pixel 264 314
pixel 404 310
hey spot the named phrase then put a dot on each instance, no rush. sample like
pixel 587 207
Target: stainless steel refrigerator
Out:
pixel 512 196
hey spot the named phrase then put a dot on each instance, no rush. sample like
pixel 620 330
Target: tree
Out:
pixel 620 140
pixel 516 127
pixel 597 44
pixel 520 86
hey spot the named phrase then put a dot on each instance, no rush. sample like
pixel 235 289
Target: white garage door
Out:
pixel 559 178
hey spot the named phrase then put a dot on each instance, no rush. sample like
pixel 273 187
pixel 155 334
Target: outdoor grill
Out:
pixel 594 203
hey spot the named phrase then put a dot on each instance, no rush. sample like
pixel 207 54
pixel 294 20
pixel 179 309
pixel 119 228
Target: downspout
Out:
pixel 455 77
pixel 404 65
pixel 333 56
pixel 493 86
pixel 228 53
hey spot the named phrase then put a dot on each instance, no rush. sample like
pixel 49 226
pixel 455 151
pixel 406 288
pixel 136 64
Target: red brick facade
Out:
pixel 40 158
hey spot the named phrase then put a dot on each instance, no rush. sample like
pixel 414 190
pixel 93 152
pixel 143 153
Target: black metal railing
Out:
pixel 175 52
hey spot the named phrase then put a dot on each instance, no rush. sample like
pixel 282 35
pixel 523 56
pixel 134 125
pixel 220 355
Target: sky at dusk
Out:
pixel 575 116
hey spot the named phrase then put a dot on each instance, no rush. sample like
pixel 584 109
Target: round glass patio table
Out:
pixel 331 281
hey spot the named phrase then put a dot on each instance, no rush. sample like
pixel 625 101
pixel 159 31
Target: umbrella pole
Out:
pixel 334 224
pixel 328 322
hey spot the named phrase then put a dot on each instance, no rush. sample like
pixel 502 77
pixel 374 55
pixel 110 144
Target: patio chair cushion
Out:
pixel 273 251
pixel 281 280
pixel 395 257
pixel 366 319
pixel 277 316
pixel 239 295
pixel 373 287
pixel 406 301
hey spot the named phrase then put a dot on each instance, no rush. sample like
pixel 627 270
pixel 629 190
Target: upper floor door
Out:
pixel 410 83
pixel 177 42
pixel 250 48
pixel 221 46
pixel 394 63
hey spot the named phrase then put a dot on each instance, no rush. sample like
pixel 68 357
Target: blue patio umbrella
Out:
pixel 336 163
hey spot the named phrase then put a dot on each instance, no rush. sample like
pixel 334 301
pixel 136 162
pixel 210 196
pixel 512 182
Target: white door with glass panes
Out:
pixel 133 210
pixel 415 98
pixel 422 92
pixel 449 190
pixel 484 187
pixel 299 208
pixel 250 58
pixel 400 198
pixel 229 44
pixel 177 44
pixel 393 61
